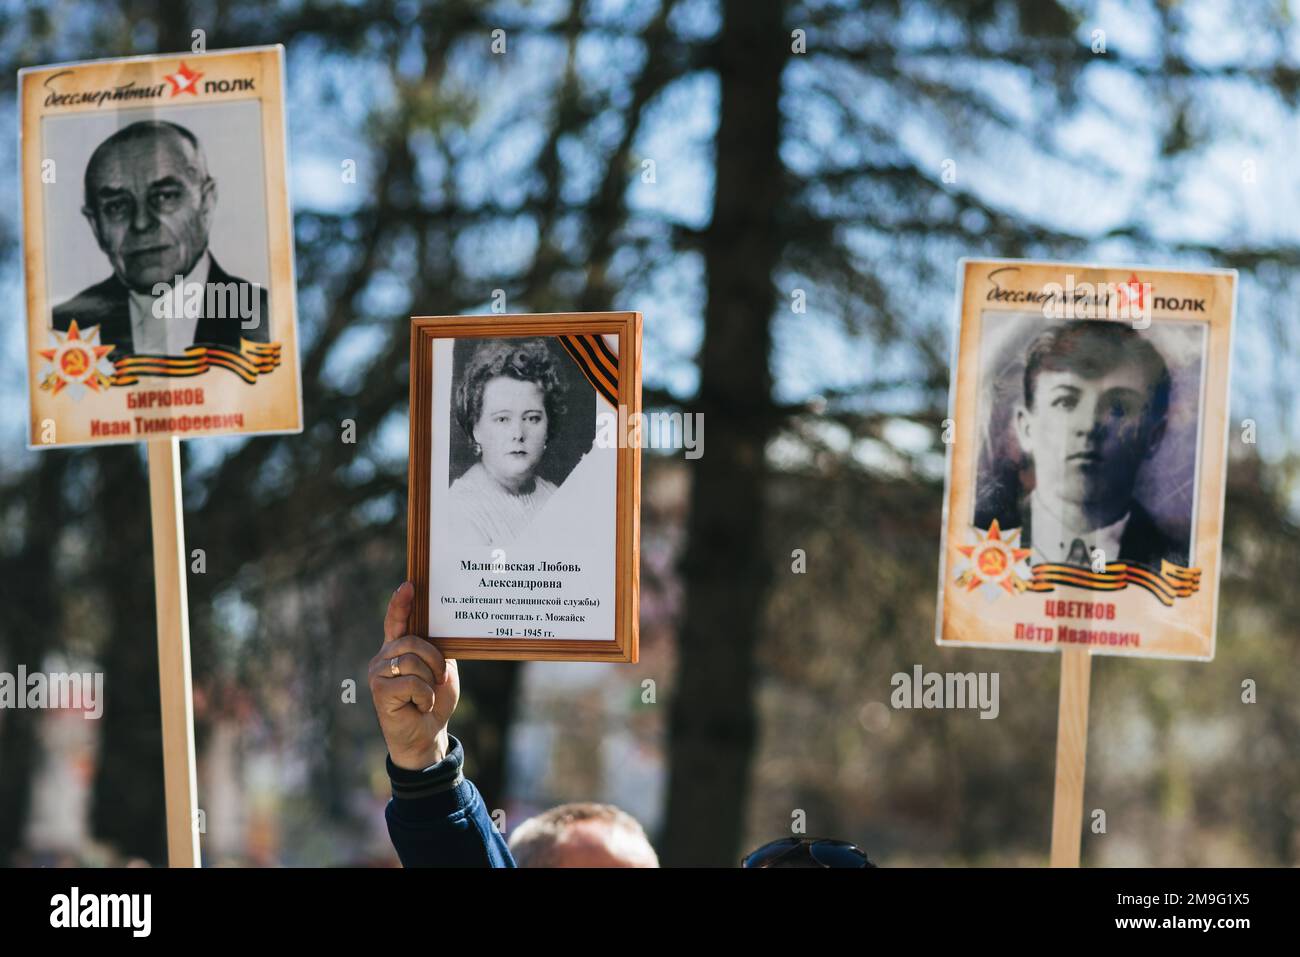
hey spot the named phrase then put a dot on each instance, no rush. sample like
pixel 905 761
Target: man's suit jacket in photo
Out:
pixel 1143 540
pixel 108 305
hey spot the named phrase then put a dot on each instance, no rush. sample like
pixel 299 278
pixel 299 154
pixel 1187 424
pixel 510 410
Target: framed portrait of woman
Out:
pixel 524 494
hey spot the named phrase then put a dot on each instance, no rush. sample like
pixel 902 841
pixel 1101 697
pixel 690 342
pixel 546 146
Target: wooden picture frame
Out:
pixel 455 542
pixel 1087 456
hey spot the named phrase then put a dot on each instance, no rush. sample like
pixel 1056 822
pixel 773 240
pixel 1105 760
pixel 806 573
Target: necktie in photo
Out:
pixel 1078 553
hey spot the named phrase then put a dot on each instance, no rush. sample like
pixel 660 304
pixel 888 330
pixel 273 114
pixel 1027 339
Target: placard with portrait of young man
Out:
pixel 1087 453
pixel 157 238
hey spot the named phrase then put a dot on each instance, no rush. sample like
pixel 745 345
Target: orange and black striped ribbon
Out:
pixel 597 363
pixel 252 359
pixel 1170 583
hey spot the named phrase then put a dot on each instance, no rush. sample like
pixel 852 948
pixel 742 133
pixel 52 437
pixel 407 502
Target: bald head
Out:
pixel 149 200
pixel 145 137
pixel 582 835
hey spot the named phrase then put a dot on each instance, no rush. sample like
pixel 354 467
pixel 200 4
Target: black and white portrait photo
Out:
pixel 161 243
pixel 522 517
pixel 1089 434
pixel 158 248
pixel 522 417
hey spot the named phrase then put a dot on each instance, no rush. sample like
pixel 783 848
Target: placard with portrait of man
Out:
pixel 1085 481
pixel 160 293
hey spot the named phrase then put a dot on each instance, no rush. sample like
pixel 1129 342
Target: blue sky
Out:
pixel 1085 170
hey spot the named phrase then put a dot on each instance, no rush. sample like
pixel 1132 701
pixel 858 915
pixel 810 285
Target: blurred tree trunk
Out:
pixel 127 808
pixel 725 566
pixel 493 697
pixel 34 615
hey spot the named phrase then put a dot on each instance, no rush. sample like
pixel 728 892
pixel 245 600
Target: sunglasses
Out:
pixel 807 852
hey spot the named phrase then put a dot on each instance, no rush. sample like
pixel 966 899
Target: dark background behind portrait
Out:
pixel 570 434
pixel 1166 484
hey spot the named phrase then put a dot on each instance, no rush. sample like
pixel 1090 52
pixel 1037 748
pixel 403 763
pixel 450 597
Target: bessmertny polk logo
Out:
pixel 993 559
pixel 184 80
pixel 76 363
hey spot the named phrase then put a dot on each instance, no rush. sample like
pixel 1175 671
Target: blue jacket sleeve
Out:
pixel 437 818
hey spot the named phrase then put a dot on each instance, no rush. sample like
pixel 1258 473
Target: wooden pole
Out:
pixel 174 684
pixel 1071 754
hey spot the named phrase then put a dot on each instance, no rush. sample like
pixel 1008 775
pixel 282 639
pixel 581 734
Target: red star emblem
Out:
pixel 184 80
pixel 1131 291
